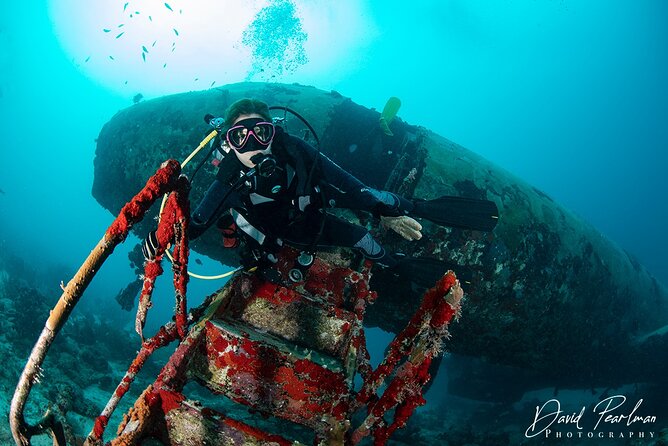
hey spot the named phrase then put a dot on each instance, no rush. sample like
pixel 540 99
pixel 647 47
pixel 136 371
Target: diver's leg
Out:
pixel 337 232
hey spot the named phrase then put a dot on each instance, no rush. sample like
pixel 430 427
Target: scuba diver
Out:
pixel 277 188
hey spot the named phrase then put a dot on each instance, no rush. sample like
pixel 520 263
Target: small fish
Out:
pixel 198 261
pixel 125 6
pixel 111 57
pixel 126 82
pixel 212 84
pixel 180 11
pixel 176 32
pixel 196 79
pixel 143 56
pixel 136 12
pixel 120 34
pixel 169 7
pixel 173 43
pixel 150 18
pixel 106 30
pixel 87 59
pixel 164 66
pixel 144 48
pixel 173 49
pixel 121 25
pixel 154 42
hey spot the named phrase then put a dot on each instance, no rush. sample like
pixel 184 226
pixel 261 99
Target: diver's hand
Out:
pixel 150 246
pixel 302 202
pixel 403 225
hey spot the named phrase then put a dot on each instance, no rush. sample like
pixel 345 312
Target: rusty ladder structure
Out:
pixel 285 348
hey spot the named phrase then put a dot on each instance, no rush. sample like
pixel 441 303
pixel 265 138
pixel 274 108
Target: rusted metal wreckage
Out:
pixel 292 347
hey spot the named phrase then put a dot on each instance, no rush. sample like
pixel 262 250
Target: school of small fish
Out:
pixel 144 49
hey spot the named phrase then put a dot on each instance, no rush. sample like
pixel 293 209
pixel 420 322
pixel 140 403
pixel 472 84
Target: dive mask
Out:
pixel 239 134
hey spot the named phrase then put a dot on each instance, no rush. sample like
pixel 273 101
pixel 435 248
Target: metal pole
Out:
pixel 161 182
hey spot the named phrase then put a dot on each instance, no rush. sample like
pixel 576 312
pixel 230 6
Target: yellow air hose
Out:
pixel 201 145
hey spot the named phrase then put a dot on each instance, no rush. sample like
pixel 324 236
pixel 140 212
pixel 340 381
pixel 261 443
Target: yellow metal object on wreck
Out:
pixel 389 112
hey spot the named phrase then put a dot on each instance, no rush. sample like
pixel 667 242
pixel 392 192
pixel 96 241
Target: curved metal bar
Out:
pixel 71 295
pixel 162 181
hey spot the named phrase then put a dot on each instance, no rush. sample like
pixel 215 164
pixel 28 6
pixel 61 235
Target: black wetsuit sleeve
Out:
pixel 343 190
pixel 218 198
pixel 328 173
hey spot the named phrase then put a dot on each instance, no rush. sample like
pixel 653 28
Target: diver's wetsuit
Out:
pixel 284 207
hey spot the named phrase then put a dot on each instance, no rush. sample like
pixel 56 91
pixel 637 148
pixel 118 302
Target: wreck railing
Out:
pixel 165 180
pixel 418 343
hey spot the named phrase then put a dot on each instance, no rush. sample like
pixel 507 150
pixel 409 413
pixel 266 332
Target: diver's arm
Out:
pixel 218 198
pixel 344 190
pixel 328 171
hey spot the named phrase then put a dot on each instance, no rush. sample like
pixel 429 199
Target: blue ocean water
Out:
pixel 570 96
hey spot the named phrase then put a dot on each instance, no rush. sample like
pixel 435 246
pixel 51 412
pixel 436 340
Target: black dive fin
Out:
pixel 458 212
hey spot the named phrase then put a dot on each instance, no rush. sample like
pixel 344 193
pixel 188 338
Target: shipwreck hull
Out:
pixel 548 294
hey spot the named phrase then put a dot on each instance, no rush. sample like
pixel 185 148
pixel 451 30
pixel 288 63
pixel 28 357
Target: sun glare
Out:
pixel 153 46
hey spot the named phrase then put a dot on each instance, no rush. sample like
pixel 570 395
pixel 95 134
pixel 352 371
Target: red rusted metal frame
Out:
pixel 162 181
pixel 172 229
pixel 165 335
pixel 403 342
pixel 361 299
pixel 429 324
pixel 326 285
pixel 162 396
pixel 250 363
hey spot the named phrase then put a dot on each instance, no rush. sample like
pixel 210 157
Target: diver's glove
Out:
pixel 389 204
pixel 403 225
pixel 309 200
pixel 150 246
pixel 302 202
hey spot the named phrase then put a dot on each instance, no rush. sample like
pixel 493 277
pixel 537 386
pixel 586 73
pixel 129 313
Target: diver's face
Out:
pixel 245 157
